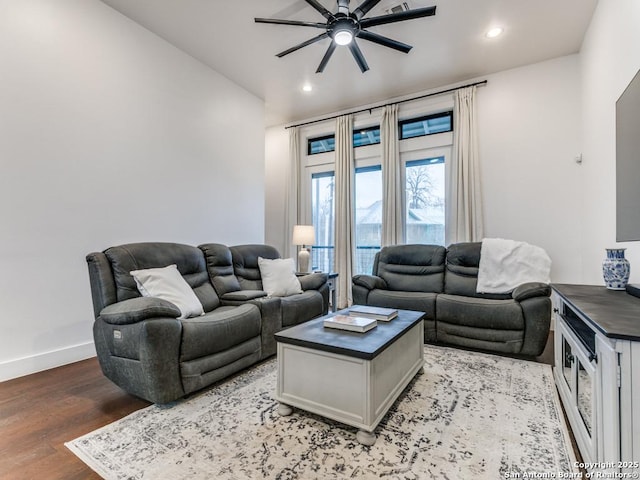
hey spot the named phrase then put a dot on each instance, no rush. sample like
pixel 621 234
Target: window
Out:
pixel 368 198
pixel 414 127
pixel 322 211
pixel 368 218
pixel 366 136
pixel 428 125
pixel 423 174
pixel 361 137
pixel 425 201
pixel 321 144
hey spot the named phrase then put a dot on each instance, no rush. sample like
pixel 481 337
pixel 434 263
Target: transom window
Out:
pixel 366 136
pixel 427 125
pixel 321 144
pixel 411 128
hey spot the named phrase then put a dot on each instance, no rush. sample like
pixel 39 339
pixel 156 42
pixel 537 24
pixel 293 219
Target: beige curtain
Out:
pixel 292 201
pixel 392 191
pixel 344 214
pixel 464 198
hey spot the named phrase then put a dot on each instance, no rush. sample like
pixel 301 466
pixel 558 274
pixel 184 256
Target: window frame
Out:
pixel 417 155
pixel 423 118
pixel 320 139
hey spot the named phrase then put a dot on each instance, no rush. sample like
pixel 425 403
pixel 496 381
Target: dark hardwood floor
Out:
pixel 40 412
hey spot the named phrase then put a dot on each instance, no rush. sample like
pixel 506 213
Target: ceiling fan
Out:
pixel 344 26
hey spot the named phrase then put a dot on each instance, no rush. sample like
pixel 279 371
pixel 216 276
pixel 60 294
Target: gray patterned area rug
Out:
pixel 467 416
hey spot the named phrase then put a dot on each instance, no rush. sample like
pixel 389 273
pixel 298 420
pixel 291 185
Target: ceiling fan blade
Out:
pixel 303 44
pixel 290 22
pixel 382 40
pixel 357 54
pixel 325 13
pixel 363 9
pixel 326 57
pixel 398 17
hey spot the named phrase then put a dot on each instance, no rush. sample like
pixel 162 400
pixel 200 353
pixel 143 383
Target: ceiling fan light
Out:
pixel 343 37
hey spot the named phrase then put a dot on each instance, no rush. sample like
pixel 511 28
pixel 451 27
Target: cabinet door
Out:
pixel 607 390
pixel 585 396
pixel 577 374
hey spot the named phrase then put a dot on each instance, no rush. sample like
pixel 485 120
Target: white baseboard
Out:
pixel 44 361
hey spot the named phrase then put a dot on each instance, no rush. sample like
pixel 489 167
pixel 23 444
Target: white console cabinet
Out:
pixel 597 372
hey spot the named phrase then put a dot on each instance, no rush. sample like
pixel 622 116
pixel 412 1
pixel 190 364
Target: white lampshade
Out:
pixel 303 235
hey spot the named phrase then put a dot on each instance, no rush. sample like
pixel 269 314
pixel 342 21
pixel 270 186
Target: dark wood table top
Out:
pixel 615 313
pixel 367 345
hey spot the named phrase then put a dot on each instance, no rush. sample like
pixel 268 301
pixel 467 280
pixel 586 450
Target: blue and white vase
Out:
pixel 616 269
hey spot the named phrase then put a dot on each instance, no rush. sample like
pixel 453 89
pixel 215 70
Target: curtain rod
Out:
pixel 483 82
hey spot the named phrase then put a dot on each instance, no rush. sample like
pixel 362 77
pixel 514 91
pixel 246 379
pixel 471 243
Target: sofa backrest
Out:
pixel 136 256
pixel 411 268
pixel 245 264
pixel 461 277
pixel 220 268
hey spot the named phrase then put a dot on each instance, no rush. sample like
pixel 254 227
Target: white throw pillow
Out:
pixel 279 277
pixel 167 283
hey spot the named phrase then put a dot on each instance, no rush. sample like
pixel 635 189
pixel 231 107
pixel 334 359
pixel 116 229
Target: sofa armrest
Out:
pixel 243 295
pixel 313 281
pixel 537 322
pixel 138 309
pixel 370 282
pixel 143 358
pixel 530 290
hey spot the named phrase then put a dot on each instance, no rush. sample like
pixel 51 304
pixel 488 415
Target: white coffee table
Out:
pixel 350 377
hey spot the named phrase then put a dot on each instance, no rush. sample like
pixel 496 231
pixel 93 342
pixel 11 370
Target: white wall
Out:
pixel 609 58
pixel 108 135
pixel 529 136
pixel 529 122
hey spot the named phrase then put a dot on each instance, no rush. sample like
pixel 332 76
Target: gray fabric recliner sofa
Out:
pixel 236 278
pixel 146 350
pixel 442 282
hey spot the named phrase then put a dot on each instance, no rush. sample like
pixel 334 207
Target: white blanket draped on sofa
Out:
pixel 505 264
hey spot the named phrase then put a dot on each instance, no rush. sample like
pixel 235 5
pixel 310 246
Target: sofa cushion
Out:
pixel 220 268
pixel 243 295
pixel 479 312
pixel 421 302
pixel 245 264
pixel 411 268
pixel 137 256
pixel 167 284
pixel 219 330
pixel 279 277
pixel 300 308
pixel 461 276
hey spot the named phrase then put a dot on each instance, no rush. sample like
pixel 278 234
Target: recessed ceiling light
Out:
pixel 494 32
pixel 307 88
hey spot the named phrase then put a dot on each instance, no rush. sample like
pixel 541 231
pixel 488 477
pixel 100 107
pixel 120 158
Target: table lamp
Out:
pixel 304 235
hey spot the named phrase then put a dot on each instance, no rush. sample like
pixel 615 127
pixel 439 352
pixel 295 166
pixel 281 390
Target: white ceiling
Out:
pixel 449 47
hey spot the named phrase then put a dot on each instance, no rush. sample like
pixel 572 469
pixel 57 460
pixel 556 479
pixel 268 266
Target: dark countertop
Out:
pixel 368 345
pixel 615 313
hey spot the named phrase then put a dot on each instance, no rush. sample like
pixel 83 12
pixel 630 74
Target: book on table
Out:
pixel 368 311
pixel 353 324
